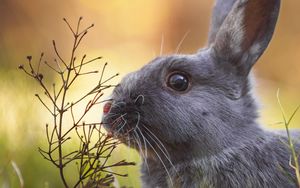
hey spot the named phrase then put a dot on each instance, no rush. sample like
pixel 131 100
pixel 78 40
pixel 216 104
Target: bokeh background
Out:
pixel 127 34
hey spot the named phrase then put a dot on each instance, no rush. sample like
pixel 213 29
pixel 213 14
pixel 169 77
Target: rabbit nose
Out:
pixel 107 107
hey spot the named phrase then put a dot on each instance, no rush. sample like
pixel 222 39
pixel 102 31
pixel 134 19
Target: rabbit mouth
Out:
pixel 120 118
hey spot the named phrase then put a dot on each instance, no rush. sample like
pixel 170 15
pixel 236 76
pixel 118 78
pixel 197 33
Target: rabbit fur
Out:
pixel 207 135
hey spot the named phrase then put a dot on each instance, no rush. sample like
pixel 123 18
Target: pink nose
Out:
pixel 106 107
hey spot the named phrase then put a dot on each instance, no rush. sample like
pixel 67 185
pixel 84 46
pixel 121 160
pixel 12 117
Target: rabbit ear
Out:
pixel 246 32
pixel 220 11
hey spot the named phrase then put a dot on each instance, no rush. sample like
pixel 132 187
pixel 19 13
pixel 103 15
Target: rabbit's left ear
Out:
pixel 246 33
pixel 220 12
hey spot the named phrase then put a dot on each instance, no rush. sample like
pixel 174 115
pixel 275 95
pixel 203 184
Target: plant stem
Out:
pixel 65 89
pixel 294 155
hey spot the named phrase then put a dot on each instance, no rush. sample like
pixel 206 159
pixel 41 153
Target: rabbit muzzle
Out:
pixel 120 118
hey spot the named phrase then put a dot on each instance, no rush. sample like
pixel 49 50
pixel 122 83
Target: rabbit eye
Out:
pixel 178 82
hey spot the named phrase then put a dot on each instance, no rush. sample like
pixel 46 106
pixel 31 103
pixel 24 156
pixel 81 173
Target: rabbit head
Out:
pixel 200 103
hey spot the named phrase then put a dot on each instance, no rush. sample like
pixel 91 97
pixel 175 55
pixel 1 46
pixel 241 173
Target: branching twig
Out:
pixel 95 147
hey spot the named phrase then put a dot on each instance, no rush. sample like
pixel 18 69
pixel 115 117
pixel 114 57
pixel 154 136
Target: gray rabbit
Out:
pixel 193 118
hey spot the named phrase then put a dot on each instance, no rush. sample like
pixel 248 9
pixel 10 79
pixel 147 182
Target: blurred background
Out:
pixel 128 34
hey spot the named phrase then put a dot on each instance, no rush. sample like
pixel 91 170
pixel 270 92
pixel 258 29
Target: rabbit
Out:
pixel 193 118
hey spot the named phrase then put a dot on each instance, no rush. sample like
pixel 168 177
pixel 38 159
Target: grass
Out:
pixel 294 161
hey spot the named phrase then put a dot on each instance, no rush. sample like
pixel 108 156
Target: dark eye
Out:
pixel 178 82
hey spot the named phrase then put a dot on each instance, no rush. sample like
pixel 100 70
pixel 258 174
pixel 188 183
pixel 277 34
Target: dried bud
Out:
pixel 29 58
pixel 21 67
pixel 40 76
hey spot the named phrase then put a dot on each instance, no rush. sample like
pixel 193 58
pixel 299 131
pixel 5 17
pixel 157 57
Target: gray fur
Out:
pixel 207 136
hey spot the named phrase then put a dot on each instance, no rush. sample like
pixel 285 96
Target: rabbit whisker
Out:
pixel 128 141
pixel 116 120
pixel 181 41
pixel 165 154
pixel 117 104
pixel 122 126
pixel 138 120
pixel 155 137
pixel 112 115
pixel 144 140
pixel 162 162
pixel 138 140
pixel 139 143
pixel 145 149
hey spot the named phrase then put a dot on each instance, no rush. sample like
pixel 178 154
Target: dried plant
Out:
pixel 95 147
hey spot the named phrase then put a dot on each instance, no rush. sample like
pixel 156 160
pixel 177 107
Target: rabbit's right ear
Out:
pixel 246 33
